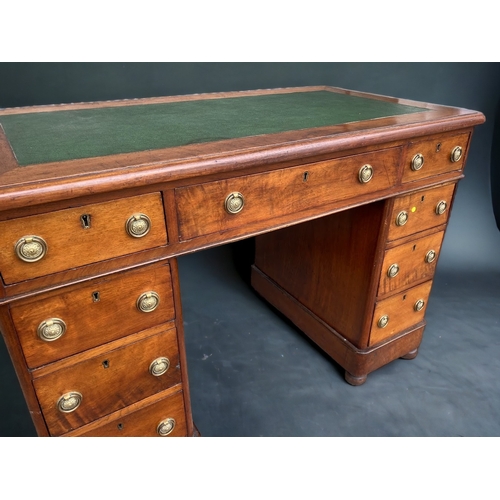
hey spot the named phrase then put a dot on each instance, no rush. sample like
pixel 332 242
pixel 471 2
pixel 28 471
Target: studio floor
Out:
pixel 252 373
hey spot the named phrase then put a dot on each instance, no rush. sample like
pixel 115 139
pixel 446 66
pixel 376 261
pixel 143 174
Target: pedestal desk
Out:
pixel 347 195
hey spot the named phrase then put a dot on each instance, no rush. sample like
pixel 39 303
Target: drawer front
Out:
pixel 399 312
pixel 93 313
pixel 108 382
pixel 434 156
pixel 166 418
pixel 78 236
pixel 420 211
pixel 204 208
pixel 409 263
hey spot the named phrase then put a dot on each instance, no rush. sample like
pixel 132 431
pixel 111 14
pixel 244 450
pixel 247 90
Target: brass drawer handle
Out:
pixel 31 248
pixel 419 305
pixel 456 154
pixel 234 203
pixel 402 218
pixel 383 321
pixel 138 225
pixel 165 427
pixel 393 271
pixel 69 402
pixel 148 302
pixel 365 174
pixel 430 256
pixel 417 162
pixel 441 207
pixel 51 329
pixel 159 366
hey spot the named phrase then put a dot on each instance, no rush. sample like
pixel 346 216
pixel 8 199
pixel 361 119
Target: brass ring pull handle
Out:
pixel 159 366
pixel 456 154
pixel 234 203
pixel 441 207
pixel 165 427
pixel 69 402
pixel 138 225
pixel 31 248
pixel 51 329
pixel 417 162
pixel 419 305
pixel 393 271
pixel 402 218
pixel 383 321
pixel 148 302
pixel 430 256
pixel 365 174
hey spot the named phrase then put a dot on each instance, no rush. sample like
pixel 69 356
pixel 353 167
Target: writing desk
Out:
pixel 347 195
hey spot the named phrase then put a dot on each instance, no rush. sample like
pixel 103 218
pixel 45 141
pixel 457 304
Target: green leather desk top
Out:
pixel 54 136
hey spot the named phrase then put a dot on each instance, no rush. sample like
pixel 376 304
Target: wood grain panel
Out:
pixel 108 382
pixel 70 245
pixel 90 323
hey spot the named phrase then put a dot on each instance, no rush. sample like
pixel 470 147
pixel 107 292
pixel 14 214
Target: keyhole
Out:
pixel 120 426
pixel 105 363
pixel 414 247
pixel 438 147
pixel 96 297
pixel 305 176
pixel 423 198
pixel 404 297
pixel 85 220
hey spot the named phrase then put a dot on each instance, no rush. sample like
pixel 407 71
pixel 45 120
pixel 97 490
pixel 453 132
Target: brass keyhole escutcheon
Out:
pixel 417 162
pixel 383 321
pixel 365 174
pixel 85 220
pixel 441 207
pixel 148 301
pixel 393 271
pixel 69 402
pixel 51 329
pixel 456 154
pixel 234 203
pixel 138 225
pixel 31 248
pixel 165 427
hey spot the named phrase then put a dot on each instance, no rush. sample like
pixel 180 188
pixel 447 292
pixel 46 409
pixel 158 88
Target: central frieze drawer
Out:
pixel 222 205
pixel 39 245
pixel 85 316
pixel 76 395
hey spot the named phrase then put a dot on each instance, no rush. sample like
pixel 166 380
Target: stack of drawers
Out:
pixel 104 354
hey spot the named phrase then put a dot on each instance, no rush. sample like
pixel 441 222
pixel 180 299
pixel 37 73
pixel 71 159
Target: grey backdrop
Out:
pixel 472 242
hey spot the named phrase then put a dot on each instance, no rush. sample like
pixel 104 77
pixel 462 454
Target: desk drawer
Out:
pixel 74 237
pixel 434 156
pixel 419 211
pixel 93 313
pixel 107 382
pixel 399 312
pixel 409 263
pixel 205 208
pixel 153 420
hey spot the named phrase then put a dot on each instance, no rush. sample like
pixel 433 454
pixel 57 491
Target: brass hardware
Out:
pixel 417 162
pixel 85 220
pixel 96 296
pixel 159 366
pixel 234 203
pixel 383 321
pixel 148 302
pixel 393 271
pixel 456 154
pixel 402 218
pixel 438 147
pixel 138 225
pixel 365 174
pixel 419 305
pixel 430 256
pixel 165 427
pixel 51 329
pixel 69 402
pixel 31 248
pixel 441 207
